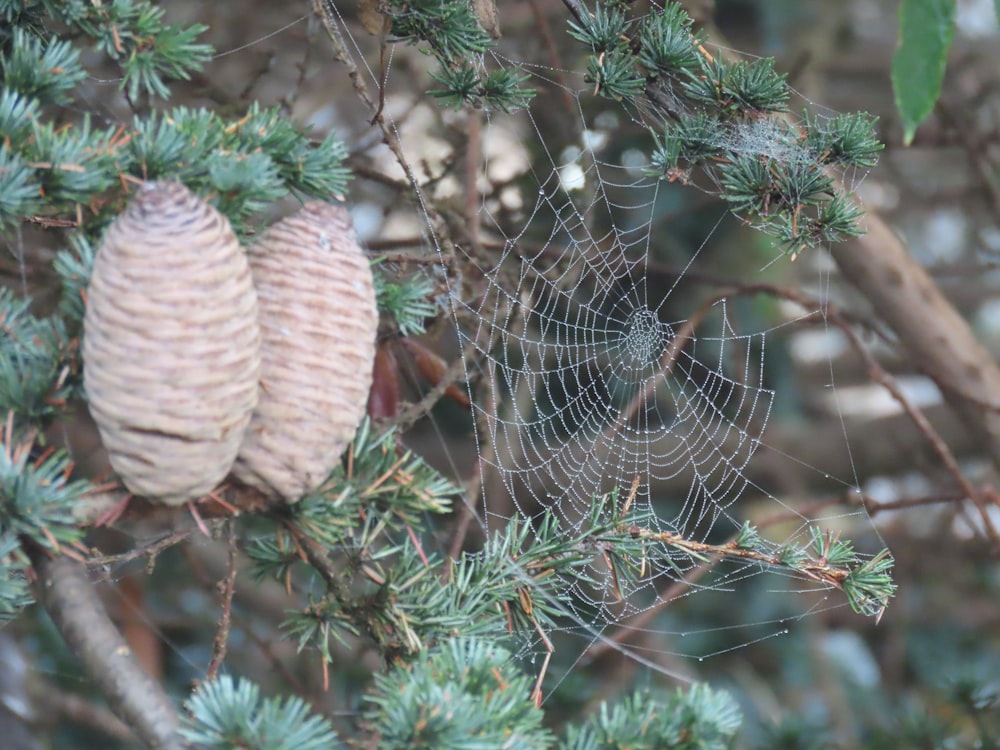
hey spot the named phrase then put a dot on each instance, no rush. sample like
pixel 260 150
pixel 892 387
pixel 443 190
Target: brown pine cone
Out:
pixel 171 344
pixel 318 320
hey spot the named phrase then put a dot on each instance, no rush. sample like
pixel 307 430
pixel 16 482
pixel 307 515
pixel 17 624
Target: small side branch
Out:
pixel 137 699
pixel 228 588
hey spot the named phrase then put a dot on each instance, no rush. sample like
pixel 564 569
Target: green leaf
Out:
pixel 926 28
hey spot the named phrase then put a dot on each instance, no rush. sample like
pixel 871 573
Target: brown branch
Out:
pixel 635 625
pixel 228 586
pixel 414 411
pixel 327 16
pixel 137 699
pixel 818 570
pixel 474 488
pixel 878 375
pixel 150 550
pixel 401 256
pixel 81 711
pixel 577 10
pixel 883 378
pixel 937 337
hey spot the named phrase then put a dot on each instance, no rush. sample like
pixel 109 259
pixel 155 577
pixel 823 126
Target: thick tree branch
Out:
pixel 939 340
pixel 65 590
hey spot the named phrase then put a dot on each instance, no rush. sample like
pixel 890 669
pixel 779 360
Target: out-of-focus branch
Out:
pixel 76 610
pixel 228 587
pixel 938 339
pixel 78 710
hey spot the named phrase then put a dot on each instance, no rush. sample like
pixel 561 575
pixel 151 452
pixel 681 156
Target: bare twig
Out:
pixel 150 550
pixel 228 588
pixel 878 375
pixel 883 378
pixel 412 412
pixel 818 570
pixel 578 11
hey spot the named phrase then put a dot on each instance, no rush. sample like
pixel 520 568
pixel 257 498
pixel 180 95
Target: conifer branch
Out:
pixel 717 116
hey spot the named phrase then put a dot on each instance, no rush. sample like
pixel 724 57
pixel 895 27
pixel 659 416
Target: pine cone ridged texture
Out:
pixel 319 322
pixel 171 344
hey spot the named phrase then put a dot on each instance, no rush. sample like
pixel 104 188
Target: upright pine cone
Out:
pixel 318 320
pixel 171 344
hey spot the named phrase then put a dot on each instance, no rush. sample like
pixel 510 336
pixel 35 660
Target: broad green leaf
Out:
pixel 926 28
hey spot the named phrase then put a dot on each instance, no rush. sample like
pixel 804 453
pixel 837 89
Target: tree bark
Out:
pixel 132 695
pixel 938 339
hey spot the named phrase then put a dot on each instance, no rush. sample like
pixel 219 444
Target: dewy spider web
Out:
pixel 603 394
pixel 589 382
pixel 603 387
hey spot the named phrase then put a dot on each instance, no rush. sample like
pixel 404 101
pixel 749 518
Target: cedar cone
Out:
pixel 318 321
pixel 171 344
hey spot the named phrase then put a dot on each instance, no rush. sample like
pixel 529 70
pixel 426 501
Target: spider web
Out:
pixel 593 374
pixel 600 392
pixel 589 380
pixel 605 391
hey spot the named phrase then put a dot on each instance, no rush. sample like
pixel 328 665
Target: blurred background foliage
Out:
pixel 925 676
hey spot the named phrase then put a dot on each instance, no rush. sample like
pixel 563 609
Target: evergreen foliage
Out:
pixel 228 713
pixel 149 52
pixel 37 363
pixel 407 302
pixel 697 718
pixel 449 30
pixel 445 629
pixel 38 499
pixel 719 116
pixel 15 593
pixel 466 694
